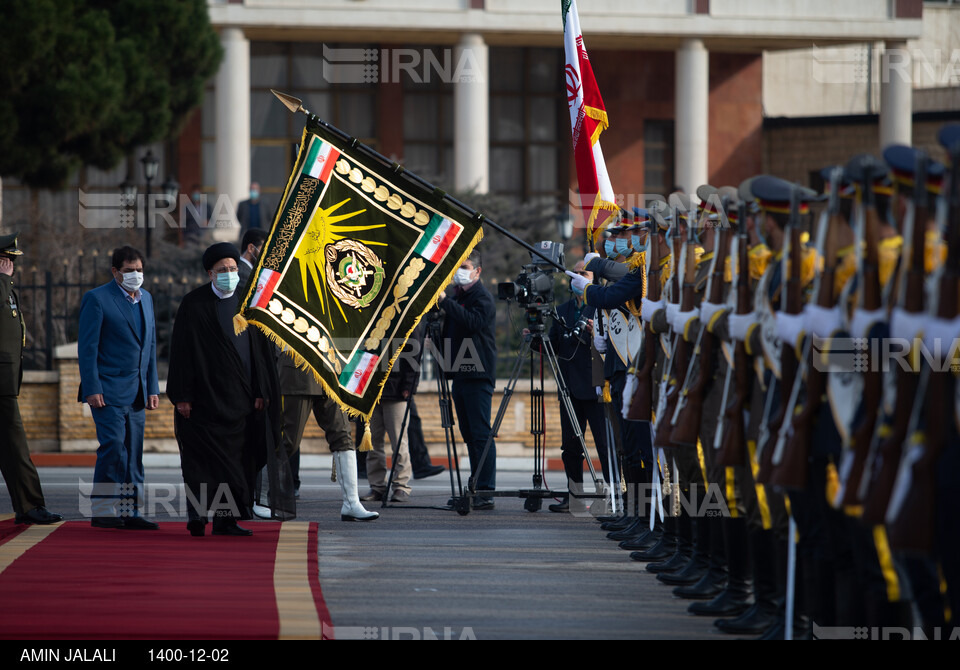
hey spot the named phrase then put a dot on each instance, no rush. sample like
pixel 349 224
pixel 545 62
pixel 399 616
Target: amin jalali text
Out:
pixel 68 655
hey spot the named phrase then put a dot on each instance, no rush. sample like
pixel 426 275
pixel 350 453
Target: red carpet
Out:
pixel 80 582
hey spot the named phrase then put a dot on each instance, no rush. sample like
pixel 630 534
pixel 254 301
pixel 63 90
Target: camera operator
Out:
pixel 471 348
pixel 571 335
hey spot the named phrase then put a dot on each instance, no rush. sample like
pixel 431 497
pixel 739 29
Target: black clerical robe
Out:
pixel 226 440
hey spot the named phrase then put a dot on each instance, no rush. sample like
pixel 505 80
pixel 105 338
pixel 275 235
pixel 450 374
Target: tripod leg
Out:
pixel 567 406
pixel 501 412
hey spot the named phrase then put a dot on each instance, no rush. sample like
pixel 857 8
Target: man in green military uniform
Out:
pixel 18 470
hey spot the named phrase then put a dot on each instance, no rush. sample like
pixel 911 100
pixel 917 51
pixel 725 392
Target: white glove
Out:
pixel 740 324
pixel 589 257
pixel 577 282
pixel 906 325
pixel 649 308
pixel 709 309
pixel 600 342
pixel 821 321
pixel 628 391
pixel 599 390
pixel 672 309
pixel 863 321
pixel 789 327
pixel 941 333
pixel 680 319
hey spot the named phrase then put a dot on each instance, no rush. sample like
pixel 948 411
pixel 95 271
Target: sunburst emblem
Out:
pixel 325 229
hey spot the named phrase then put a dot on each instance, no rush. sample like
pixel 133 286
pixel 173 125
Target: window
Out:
pixel 528 142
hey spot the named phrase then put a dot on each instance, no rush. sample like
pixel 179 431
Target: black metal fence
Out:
pixel 50 299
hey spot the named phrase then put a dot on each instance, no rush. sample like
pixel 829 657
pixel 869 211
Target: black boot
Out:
pixel 621 522
pixel 713 574
pixel 699 561
pixel 683 548
pixel 643 541
pixel 769 556
pixel 734 599
pixel 662 549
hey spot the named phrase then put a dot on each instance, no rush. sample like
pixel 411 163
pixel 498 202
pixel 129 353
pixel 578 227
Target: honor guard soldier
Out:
pixel 18 470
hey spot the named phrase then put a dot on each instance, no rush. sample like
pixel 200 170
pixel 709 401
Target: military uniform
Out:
pixel 18 470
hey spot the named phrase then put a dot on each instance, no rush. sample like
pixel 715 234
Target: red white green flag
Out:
pixel 588 119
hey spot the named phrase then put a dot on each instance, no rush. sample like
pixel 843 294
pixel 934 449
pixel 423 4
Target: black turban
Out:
pixel 218 252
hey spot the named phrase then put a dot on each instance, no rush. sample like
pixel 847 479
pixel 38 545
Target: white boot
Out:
pixel 351 510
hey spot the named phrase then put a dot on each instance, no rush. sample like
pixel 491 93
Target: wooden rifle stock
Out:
pixel 873 378
pixel 688 423
pixel 887 460
pixel 788 358
pixel 792 470
pixel 641 405
pixel 913 528
pixel 681 352
pixel 733 447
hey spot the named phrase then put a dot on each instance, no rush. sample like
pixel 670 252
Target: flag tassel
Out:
pixel 366 444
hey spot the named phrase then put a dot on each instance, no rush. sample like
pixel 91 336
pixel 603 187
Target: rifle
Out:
pixel 911 515
pixel 732 450
pixel 793 304
pixel 791 457
pixel 886 459
pixel 641 405
pixel 867 227
pixel 681 349
pixel 686 418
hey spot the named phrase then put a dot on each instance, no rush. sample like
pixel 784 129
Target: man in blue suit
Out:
pixel 118 379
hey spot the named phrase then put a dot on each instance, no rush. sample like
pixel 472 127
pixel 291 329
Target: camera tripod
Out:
pixel 535 342
pixel 461 504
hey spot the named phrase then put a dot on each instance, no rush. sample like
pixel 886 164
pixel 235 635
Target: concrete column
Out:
pixel 233 133
pixel 471 115
pixel 896 95
pixel 693 115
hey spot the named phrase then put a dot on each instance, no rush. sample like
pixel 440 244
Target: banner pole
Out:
pixel 295 105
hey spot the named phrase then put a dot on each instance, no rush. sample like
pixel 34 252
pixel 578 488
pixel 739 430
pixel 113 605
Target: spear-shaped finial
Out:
pixel 293 104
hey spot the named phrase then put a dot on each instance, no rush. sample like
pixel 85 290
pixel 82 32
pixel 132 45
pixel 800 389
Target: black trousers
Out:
pixel 585 411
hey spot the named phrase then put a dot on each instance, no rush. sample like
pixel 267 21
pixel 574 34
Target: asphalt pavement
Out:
pixel 422 572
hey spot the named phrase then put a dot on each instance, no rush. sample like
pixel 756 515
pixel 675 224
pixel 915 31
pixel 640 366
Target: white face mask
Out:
pixel 462 277
pixel 132 280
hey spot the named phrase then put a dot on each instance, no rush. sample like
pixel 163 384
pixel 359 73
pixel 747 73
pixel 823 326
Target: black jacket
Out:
pixel 574 355
pixel 405 374
pixel 469 346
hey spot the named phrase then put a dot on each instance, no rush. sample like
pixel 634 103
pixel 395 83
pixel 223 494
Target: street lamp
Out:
pixel 171 189
pixel 150 167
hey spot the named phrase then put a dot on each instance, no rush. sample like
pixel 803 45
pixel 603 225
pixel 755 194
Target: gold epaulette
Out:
pixel 760 256
pixel 698 253
pixel 808 266
pixel 934 252
pixel 888 253
pixel 846 267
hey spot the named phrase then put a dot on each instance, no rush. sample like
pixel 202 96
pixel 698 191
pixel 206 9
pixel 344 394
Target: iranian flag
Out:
pixel 266 285
pixel 320 160
pixel 357 373
pixel 437 238
pixel 588 119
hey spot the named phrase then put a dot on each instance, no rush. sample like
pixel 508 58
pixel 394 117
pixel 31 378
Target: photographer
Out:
pixel 571 335
pixel 471 348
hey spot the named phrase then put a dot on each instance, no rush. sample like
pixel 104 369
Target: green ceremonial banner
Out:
pixel 357 254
